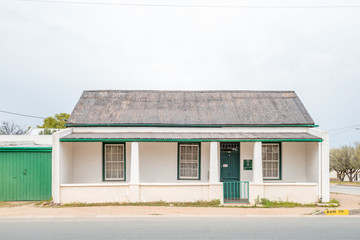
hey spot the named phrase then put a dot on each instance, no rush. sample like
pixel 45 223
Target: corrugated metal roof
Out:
pixel 190 108
pixel 191 135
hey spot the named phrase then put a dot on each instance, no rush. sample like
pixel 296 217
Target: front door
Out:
pixel 230 167
pixel 230 162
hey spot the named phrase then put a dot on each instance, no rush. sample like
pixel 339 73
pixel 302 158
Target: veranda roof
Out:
pixel 189 136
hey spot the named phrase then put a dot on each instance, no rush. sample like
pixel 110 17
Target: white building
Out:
pixel 235 146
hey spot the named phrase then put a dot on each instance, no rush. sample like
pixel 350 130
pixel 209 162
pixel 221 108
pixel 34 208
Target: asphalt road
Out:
pixel 158 227
pixel 345 189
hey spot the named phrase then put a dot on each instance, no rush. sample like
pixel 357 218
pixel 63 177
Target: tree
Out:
pixel 58 121
pixel 47 131
pixel 345 161
pixel 357 156
pixel 10 128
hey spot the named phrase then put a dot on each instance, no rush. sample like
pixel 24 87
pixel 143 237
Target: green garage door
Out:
pixel 25 174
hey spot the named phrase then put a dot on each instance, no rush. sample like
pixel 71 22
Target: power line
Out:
pixel 19 114
pixel 352 126
pixel 349 135
pixel 345 132
pixel 192 6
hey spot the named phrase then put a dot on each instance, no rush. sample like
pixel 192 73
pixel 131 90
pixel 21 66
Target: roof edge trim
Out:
pixel 25 149
pixel 186 140
pixel 192 125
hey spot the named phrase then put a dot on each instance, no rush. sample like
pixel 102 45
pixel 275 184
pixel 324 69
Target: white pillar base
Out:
pixel 216 192
pixel 134 193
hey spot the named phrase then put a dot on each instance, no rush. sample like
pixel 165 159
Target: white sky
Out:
pixel 51 52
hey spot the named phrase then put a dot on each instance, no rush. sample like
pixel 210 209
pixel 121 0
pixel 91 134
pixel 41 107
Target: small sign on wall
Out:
pixel 247 164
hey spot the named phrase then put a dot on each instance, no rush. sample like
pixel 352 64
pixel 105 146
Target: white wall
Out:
pixel 94 194
pixel 246 152
pixel 292 192
pixel 293 161
pixel 87 162
pixel 59 152
pixel 158 162
pixel 99 193
pixel 312 162
pixel 66 174
pixel 82 162
pixel 298 161
pixel 175 193
pixel 25 141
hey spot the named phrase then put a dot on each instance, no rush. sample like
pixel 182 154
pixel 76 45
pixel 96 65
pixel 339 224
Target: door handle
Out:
pixel 25 171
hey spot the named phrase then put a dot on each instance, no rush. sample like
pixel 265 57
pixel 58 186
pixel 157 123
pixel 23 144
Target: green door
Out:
pixel 25 174
pixel 230 168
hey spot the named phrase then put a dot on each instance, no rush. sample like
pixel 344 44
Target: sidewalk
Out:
pixel 31 211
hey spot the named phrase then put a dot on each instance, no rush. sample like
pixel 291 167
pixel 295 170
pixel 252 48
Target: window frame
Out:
pixel 279 162
pixel 199 161
pixel 103 162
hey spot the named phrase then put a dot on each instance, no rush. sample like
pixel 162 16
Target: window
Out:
pixel 229 146
pixel 189 161
pixel 271 160
pixel 114 161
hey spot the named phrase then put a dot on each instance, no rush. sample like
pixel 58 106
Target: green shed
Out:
pixel 25 173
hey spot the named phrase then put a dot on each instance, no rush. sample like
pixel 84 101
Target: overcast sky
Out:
pixel 51 52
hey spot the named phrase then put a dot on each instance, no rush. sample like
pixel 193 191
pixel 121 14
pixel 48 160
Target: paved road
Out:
pixel 345 189
pixel 158 227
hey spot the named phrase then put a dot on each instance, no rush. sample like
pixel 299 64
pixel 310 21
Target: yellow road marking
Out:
pixel 337 212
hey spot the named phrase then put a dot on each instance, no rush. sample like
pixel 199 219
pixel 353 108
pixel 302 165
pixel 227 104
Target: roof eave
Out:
pixel 184 140
pixel 187 125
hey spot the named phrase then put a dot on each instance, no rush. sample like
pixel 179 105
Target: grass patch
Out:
pixel 260 203
pixel 266 203
pixel 335 201
pixel 14 204
pixel 346 183
pixel 43 203
pixel 213 203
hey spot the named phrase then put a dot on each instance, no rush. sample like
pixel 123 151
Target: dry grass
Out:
pixel 346 183
pixel 266 203
pixel 213 203
pixel 14 204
